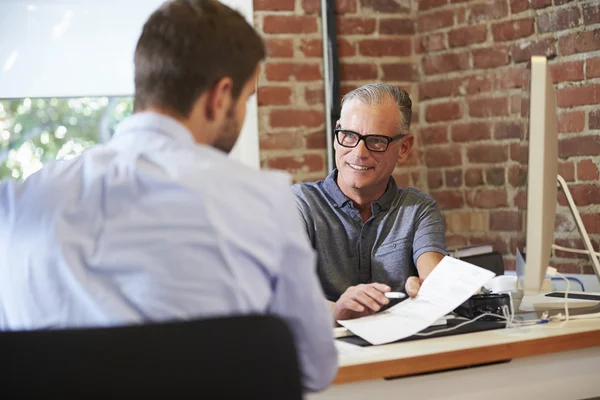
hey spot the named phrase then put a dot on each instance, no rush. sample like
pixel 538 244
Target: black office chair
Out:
pixel 222 358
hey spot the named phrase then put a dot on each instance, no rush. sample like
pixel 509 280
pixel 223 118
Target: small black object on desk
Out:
pixel 484 303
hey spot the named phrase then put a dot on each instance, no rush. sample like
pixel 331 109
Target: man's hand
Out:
pixel 358 301
pixel 412 286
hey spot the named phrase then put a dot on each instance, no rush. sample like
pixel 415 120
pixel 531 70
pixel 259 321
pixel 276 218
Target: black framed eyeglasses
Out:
pixel 377 143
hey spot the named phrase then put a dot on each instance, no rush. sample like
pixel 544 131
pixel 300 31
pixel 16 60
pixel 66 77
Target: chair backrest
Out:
pixel 221 358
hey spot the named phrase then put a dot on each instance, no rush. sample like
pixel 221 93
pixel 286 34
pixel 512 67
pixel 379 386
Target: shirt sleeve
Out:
pixel 298 299
pixel 303 209
pixel 429 231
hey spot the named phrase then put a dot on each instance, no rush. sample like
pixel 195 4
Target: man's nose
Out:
pixel 361 151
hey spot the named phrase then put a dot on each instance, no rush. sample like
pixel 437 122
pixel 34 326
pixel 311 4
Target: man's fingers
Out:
pixel 380 286
pixel 366 300
pixel 353 305
pixel 376 295
pixel 413 284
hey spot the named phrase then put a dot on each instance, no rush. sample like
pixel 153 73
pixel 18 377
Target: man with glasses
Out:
pixel 371 236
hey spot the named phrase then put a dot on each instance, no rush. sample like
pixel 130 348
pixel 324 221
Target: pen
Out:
pixel 395 295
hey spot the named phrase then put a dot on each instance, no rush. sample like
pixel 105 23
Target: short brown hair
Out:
pixel 186 46
pixel 378 93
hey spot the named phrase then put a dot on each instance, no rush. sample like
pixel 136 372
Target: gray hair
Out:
pixel 379 93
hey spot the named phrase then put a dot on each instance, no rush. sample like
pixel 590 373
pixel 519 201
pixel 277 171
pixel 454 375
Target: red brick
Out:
pixel 434 134
pixel 290 24
pixel 396 26
pixel 461 15
pixel 506 221
pixel 571 121
pixel 434 21
pixel 443 112
pixel 429 4
pixel 294 118
pixel 432 42
pixel 470 132
pixel 541 47
pixel 587 170
pixel 274 5
pixel 274 96
pixel 487 153
pixel 572 244
pixel 358 72
pixel 455 241
pixel 591 13
pixel 591 222
pixel 515 104
pixel 578 96
pixel 304 163
pixel 513 175
pixel 474 177
pixel 402 180
pixel 567 71
pixel 435 89
pixel 495 176
pixel 488 11
pixel 562 2
pixel 488 107
pixel 281 141
pixel 466 36
pixel 355 26
pixel 479 83
pixel 567 170
pixel 584 195
pixel 448 200
pixel 509 78
pixel 442 63
pixel 537 4
pixel 520 200
pixel 398 47
pixel 486 198
pixel 447 157
pixel 517 6
pixel 385 6
pixel 341 6
pixel 512 30
pixel 490 57
pixel 579 146
pixel 435 180
pixel 314 96
pixel 579 42
pixel 453 178
pixel 559 20
pixel 286 71
pixel 508 130
pixel 316 140
pixel 314 48
pixel 594 122
pixel 400 72
pixel 498 242
pixel 279 47
pixel 592 68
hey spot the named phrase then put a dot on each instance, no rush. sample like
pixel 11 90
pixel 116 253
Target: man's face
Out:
pixel 359 168
pixel 234 120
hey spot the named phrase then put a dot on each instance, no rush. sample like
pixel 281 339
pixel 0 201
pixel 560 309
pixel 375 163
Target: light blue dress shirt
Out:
pixel 152 227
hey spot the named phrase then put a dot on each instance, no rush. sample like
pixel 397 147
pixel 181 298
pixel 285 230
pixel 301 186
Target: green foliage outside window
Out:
pixel 36 131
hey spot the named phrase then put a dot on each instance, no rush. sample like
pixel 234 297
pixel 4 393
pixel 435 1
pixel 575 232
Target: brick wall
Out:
pixel 462 62
pixel 375 43
pixel 470 86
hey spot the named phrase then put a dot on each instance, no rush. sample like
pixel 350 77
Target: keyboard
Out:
pixel 575 296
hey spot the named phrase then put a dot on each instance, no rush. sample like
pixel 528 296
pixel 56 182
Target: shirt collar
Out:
pixel 155 122
pixel 333 190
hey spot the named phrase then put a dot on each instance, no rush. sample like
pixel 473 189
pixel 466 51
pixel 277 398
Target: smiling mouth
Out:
pixel 358 167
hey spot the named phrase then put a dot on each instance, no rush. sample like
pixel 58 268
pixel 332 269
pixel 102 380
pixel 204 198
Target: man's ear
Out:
pixel 219 99
pixel 405 147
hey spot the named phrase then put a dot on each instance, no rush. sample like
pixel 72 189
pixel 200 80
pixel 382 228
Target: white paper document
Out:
pixel 450 284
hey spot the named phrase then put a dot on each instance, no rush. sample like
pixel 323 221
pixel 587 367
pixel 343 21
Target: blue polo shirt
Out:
pixel 405 223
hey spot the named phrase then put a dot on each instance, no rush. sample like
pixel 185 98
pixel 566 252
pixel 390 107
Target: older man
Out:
pixel 371 236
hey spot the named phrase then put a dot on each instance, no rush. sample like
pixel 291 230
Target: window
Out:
pixel 35 131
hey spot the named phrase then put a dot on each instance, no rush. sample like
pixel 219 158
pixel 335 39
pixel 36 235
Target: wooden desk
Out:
pixel 544 360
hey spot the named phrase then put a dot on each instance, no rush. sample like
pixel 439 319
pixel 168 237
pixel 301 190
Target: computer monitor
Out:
pixel 537 191
pixel 539 159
